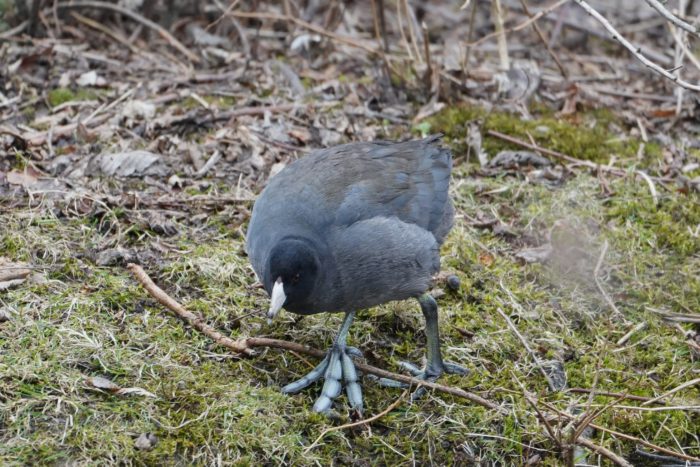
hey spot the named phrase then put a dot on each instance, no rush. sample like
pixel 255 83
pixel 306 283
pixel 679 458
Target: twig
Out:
pixel 652 187
pixel 687 384
pixel 14 31
pixel 358 423
pixel 312 27
pixel 658 6
pixel 136 17
pixel 631 332
pixel 533 404
pixel 609 394
pixel 527 347
pixel 566 157
pixel 636 51
pixel 501 35
pixel 626 436
pixel 413 29
pixel 607 453
pixel 105 30
pixel 426 49
pixel 540 14
pixel 38 139
pixel 470 34
pixel 106 107
pixel 596 274
pixel 545 41
pixel 663 408
pixel 244 345
pixel 196 322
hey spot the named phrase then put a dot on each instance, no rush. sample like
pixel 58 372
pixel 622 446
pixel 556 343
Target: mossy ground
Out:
pixel 81 320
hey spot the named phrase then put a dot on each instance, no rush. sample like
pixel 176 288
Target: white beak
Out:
pixel 277 300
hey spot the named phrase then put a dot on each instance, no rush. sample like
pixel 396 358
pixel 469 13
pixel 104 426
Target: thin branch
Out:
pixel 607 453
pixel 540 14
pixel 245 345
pixel 617 434
pixel 687 384
pixel 609 394
pixel 658 6
pixel 136 17
pixel 192 319
pixel 545 41
pixel 551 384
pixel 636 51
pixel 566 157
pixel 391 407
pixel 312 27
pixel 502 39
pixel 596 277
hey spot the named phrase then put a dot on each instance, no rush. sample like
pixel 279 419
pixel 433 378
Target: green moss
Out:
pixel 82 320
pixel 60 96
pixel 586 136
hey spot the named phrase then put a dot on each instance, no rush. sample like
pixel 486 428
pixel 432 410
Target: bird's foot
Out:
pixel 431 373
pixel 336 366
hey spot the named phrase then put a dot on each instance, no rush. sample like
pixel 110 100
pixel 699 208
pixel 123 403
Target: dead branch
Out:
pixel 609 394
pixel 687 384
pixel 532 19
pixel 635 51
pixel 596 277
pixel 245 345
pixel 311 27
pixel 520 337
pixel 367 421
pixel 136 17
pixel 58 132
pixel 658 6
pixel 566 157
pixel 617 434
pixel 607 453
pixel 196 322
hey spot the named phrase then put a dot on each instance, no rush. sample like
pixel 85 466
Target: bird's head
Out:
pixel 293 270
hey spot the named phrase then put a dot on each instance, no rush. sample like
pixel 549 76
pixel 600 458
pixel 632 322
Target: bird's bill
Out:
pixel 276 300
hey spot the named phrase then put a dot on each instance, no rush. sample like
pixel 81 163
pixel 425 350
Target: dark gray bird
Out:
pixel 348 228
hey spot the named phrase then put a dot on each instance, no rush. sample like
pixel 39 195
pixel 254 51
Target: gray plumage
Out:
pixel 348 228
pixel 376 213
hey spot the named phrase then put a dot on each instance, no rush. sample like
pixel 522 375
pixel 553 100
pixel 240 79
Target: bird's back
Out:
pixel 339 186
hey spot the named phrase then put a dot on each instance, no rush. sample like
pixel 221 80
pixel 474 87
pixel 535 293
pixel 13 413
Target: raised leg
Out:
pixel 335 366
pixel 435 366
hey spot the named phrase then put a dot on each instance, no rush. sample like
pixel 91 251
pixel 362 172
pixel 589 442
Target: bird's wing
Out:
pixel 379 260
pixel 407 180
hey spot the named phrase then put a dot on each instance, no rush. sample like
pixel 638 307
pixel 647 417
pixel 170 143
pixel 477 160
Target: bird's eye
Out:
pixel 295 279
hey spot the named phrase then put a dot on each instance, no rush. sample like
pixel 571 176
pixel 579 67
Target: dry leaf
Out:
pixel 485 259
pixel 128 164
pixel 103 383
pixel 146 441
pixel 538 254
pixel 27 177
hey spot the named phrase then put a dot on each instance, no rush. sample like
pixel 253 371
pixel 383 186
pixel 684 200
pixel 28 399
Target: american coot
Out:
pixel 348 228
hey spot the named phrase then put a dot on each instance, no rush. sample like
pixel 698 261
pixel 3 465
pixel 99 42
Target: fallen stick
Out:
pixel 366 421
pixel 244 345
pixel 566 157
pixel 139 19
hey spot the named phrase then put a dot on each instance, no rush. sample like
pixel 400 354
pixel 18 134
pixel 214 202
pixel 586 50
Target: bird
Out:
pixel 348 228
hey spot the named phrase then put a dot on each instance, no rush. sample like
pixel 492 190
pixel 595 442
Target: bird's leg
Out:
pixel 435 366
pixel 337 364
